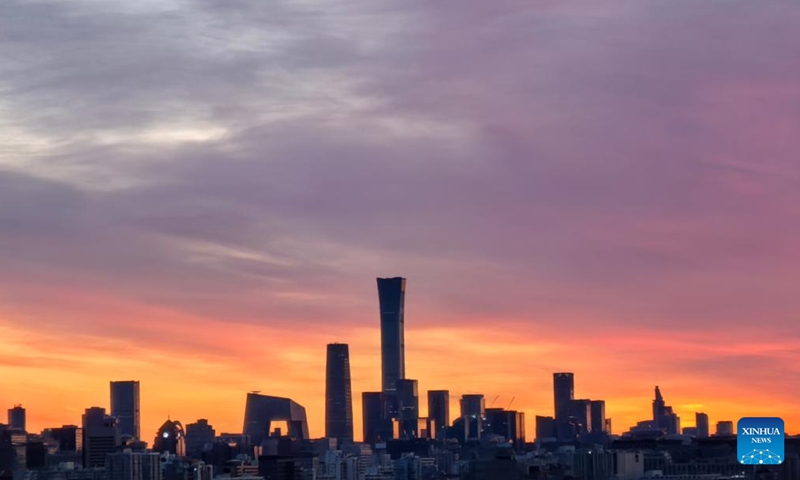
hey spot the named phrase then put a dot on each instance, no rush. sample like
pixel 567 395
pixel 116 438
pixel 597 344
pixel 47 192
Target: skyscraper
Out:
pixel 439 410
pixel 100 437
pixel 473 413
pixel 125 407
pixel 200 436
pixel 564 393
pixel 701 420
pixel 16 417
pixel 338 395
pixel 408 408
pixel 598 416
pixel 391 296
pixel 375 426
pixel 133 466
pixel 663 416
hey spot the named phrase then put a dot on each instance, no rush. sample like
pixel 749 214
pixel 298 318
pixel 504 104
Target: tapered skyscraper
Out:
pixel 391 294
pixel 338 396
pixel 125 407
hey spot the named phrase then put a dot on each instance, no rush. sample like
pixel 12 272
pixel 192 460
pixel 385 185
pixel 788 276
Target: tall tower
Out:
pixel 100 437
pixel 391 295
pixel 338 395
pixel 701 420
pixel 564 393
pixel 408 408
pixel 125 407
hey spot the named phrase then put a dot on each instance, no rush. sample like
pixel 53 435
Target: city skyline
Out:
pixel 198 197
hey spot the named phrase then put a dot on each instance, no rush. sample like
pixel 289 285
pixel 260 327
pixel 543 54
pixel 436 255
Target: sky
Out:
pixel 199 196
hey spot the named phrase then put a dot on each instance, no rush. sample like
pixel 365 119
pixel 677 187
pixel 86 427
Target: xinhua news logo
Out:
pixel 760 441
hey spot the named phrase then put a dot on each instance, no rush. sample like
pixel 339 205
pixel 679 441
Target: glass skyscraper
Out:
pixel 391 295
pixel 125 407
pixel 338 395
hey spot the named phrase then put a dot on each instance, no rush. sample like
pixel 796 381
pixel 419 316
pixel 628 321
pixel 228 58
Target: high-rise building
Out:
pixel 125 407
pixel 439 410
pixel 408 407
pixel 580 411
pixel 663 416
pixel 130 465
pixel 724 429
pixel 200 436
pixel 564 393
pixel 701 420
pixel 170 438
pixel 391 296
pixel 545 428
pixel 376 428
pixel 508 424
pixel 16 417
pixel 598 411
pixel 473 412
pixel 338 395
pixel 69 438
pixel 100 437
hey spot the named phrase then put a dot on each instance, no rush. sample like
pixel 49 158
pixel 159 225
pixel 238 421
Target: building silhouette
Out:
pixel 473 414
pixel 663 416
pixel 377 427
pixel 170 438
pixel 262 410
pixel 125 407
pixel 200 436
pixel 724 429
pixel 598 411
pixel 509 424
pixel 407 394
pixel 391 296
pixel 16 418
pixel 564 393
pixel 338 394
pixel 100 437
pixel 580 412
pixel 439 410
pixel 701 421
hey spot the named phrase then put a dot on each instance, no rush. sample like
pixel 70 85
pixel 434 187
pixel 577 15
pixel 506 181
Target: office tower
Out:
pixel 125 407
pixel 564 391
pixel 16 417
pixel 545 428
pixel 580 411
pixel 133 466
pixel 170 438
pixel 508 424
pixel 473 412
pixel 69 438
pixel 439 410
pixel 598 411
pixel 701 420
pixel 407 395
pixel 200 437
pixel 338 396
pixel 391 296
pixel 100 437
pixel 663 416
pixel 374 423
pixel 724 429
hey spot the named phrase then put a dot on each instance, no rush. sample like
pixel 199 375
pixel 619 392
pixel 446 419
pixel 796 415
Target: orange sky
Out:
pixel 203 369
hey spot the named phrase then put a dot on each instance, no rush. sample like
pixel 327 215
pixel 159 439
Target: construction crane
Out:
pixel 509 403
pixel 495 399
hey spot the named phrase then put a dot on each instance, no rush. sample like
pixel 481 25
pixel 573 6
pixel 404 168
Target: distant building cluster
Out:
pixel 481 443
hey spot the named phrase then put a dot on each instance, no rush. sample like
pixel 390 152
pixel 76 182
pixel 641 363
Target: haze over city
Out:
pixel 200 196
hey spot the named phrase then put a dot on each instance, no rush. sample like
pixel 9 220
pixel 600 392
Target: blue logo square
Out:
pixel 759 441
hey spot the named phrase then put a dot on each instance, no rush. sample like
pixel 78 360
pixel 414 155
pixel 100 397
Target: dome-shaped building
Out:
pixel 170 438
